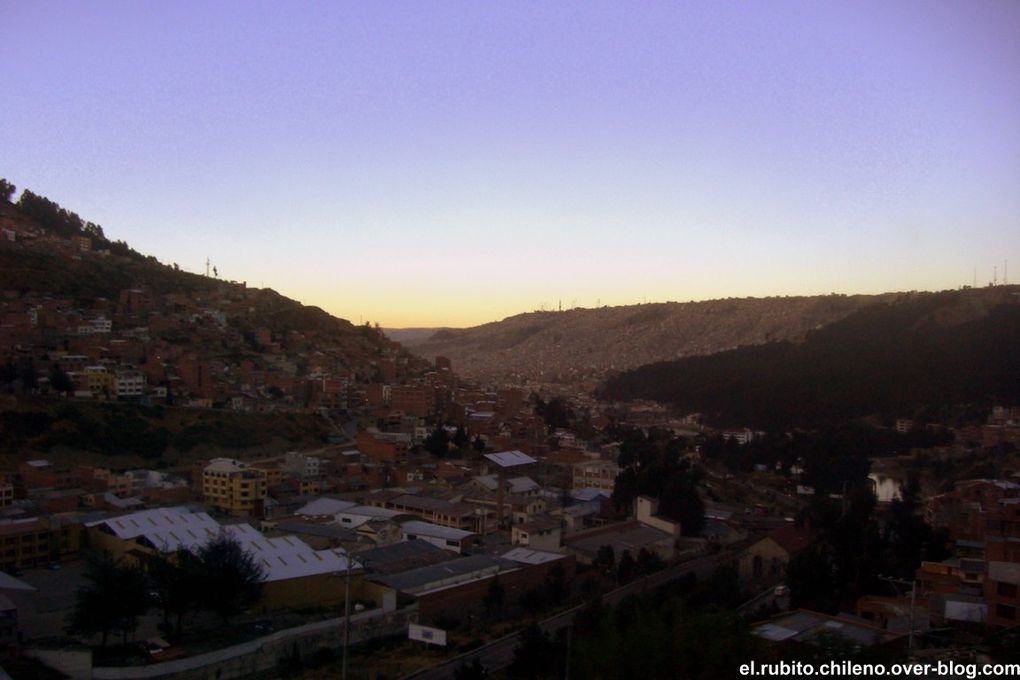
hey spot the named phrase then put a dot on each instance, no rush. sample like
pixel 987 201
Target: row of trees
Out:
pixel 654 465
pixel 61 221
pixel 886 359
pixel 440 444
pixel 675 631
pixel 854 545
pixel 830 456
pixel 21 376
pixel 7 190
pixel 220 577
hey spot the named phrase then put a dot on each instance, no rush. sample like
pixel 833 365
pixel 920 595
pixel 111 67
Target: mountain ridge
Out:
pixel 586 344
pixel 896 358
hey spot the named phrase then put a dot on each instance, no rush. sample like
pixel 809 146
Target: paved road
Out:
pixel 499 654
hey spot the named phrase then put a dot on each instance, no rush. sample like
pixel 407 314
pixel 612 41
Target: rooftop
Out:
pixel 403 556
pixel 324 506
pixel 529 556
pixel 803 625
pixel 417 528
pixel 622 536
pixel 446 574
pixel 510 458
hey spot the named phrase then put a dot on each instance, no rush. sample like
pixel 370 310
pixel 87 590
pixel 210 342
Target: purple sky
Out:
pixel 453 163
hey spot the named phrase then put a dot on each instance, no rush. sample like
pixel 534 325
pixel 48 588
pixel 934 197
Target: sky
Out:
pixel 453 163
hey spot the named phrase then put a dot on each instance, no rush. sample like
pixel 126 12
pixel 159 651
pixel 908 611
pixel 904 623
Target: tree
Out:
pixel 681 501
pixel 59 380
pixel 438 442
pixel 94 230
pixel 473 671
pixel 494 597
pixel 460 438
pixel 478 444
pixel 649 562
pixel 536 656
pixel 29 376
pixel 176 584
pixel 230 577
pixel 605 559
pixel 626 568
pixel 112 599
pixel 625 489
pixel 555 585
pixel 6 189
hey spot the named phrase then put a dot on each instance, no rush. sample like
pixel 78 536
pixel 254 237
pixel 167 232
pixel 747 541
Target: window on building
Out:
pixel 1005 589
pixel 1005 611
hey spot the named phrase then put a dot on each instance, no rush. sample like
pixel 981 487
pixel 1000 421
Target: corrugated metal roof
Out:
pixel 528 556
pixel 324 530
pixel 156 520
pixel 417 528
pixel 403 556
pixel 170 529
pixel 510 458
pixel 324 506
pixel 445 574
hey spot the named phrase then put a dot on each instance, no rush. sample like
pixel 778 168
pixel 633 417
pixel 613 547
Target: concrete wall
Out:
pixel 261 658
pixel 468 599
pixel 646 509
pixel 74 663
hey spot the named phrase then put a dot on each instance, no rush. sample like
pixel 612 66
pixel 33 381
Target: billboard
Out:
pixel 430 636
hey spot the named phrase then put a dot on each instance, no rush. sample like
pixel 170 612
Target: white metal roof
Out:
pixel 170 529
pixel 510 458
pixel 156 520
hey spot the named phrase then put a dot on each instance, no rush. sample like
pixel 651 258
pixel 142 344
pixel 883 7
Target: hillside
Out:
pixel 895 358
pixel 125 435
pixel 84 319
pixel 409 337
pixel 582 344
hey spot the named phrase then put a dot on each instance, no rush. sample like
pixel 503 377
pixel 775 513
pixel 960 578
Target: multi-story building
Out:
pixel 233 487
pixel 595 474
pixel 129 384
pixel 99 382
pixel 6 490
pixel 37 540
pixel 414 400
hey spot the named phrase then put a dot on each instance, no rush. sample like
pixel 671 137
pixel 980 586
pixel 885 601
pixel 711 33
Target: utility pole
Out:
pixel 347 618
pixel 913 600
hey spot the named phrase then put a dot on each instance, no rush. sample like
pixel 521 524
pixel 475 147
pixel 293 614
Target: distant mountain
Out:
pixel 409 337
pixel 893 358
pixel 586 344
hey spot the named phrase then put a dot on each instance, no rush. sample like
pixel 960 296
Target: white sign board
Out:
pixel 431 636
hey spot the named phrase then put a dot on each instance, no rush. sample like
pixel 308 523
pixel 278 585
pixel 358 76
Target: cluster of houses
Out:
pixel 440 542
pixel 981 582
